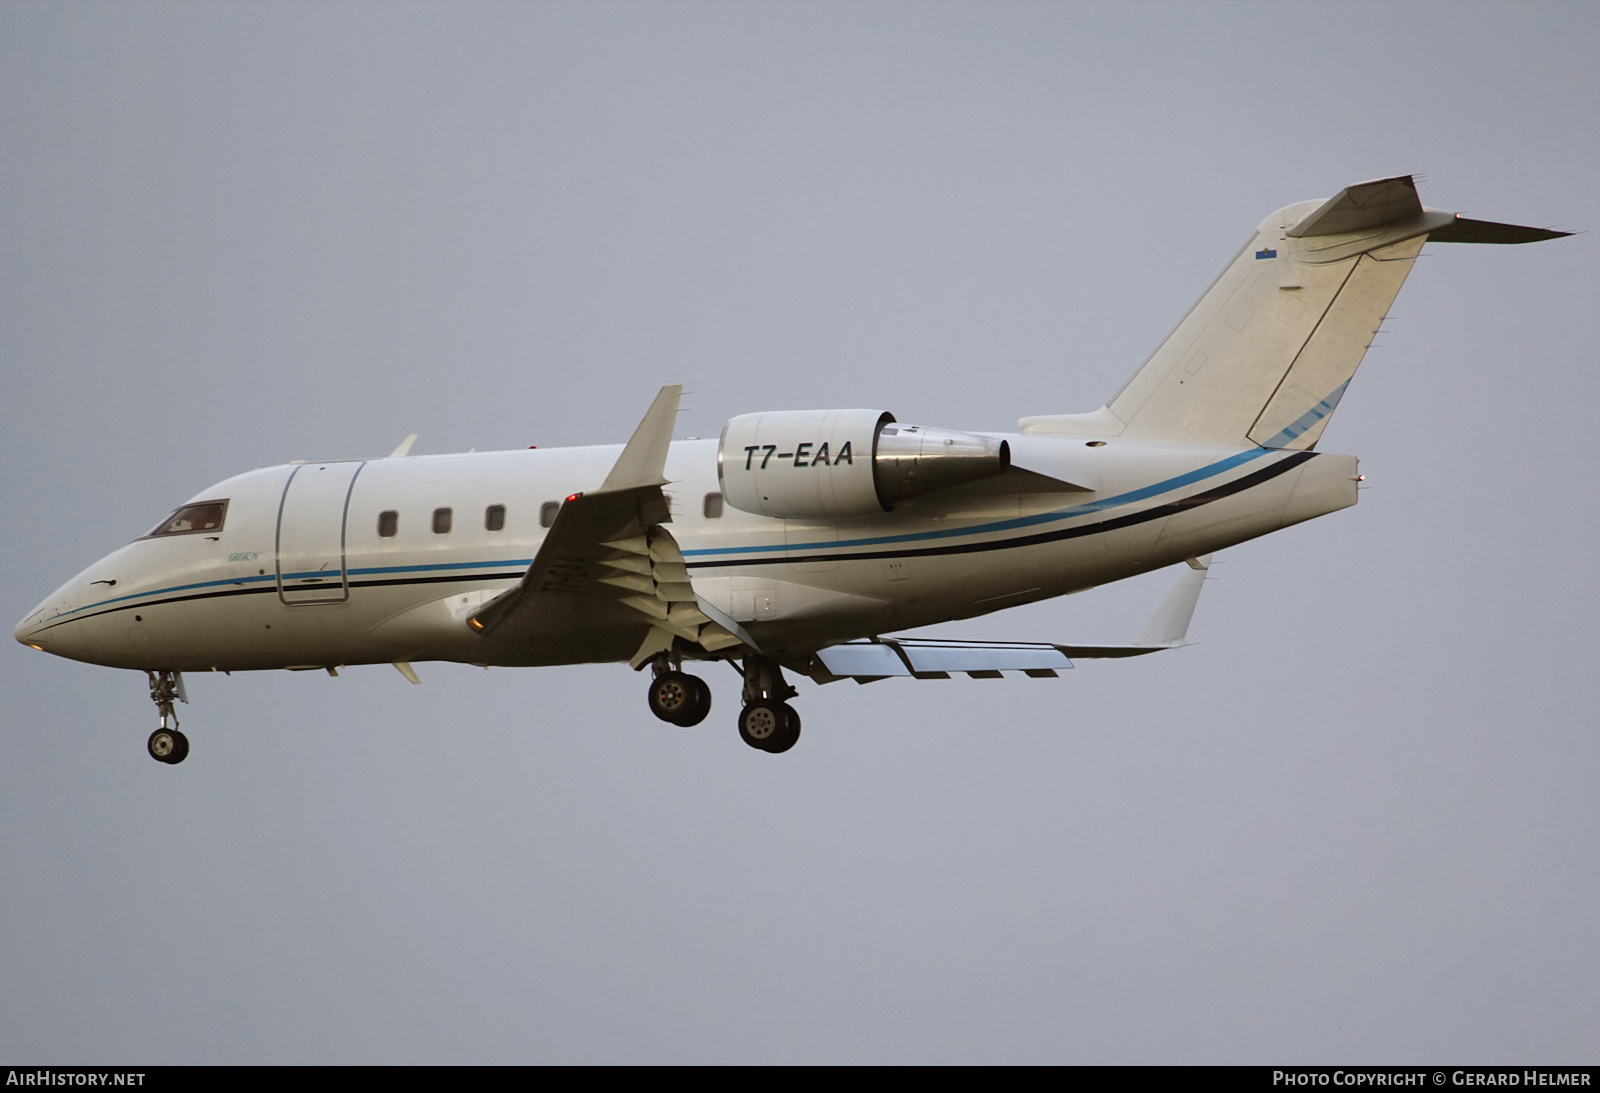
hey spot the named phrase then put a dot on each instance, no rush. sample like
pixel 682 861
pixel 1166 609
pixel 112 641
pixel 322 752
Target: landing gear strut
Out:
pixel 167 744
pixel 767 721
pixel 677 697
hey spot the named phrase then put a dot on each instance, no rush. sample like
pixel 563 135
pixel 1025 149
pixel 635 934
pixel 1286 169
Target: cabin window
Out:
pixel 388 523
pixel 547 513
pixel 203 516
pixel 441 521
pixel 494 517
pixel 713 506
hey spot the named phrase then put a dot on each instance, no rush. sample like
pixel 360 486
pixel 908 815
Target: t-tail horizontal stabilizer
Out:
pixel 935 658
pixel 1391 205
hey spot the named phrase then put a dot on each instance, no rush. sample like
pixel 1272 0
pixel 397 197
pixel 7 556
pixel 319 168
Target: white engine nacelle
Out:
pixel 840 463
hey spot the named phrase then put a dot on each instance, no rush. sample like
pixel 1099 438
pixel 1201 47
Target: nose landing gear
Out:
pixel 167 744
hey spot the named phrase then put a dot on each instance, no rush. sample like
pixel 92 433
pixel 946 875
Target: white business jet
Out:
pixel 800 538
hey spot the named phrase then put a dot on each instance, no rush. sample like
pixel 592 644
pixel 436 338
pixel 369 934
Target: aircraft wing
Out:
pixel 608 556
pixel 937 658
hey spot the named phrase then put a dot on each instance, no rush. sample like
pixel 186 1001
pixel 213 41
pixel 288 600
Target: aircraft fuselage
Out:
pixel 307 571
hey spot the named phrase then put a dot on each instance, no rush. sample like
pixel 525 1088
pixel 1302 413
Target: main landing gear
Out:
pixel 167 744
pixel 770 726
pixel 678 697
pixel 766 722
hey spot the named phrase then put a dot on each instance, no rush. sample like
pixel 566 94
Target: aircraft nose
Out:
pixel 66 624
pixel 28 628
pixel 40 629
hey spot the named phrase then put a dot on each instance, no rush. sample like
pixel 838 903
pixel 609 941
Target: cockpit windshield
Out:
pixel 205 516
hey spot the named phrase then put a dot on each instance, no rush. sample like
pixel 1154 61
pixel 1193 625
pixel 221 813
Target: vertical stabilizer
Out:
pixel 1267 353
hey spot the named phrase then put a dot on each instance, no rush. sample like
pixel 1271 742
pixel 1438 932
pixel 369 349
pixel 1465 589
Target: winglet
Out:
pixel 1170 624
pixel 644 459
pixel 405 447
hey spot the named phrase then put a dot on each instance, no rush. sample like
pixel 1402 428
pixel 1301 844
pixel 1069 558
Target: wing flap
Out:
pixel 982 657
pixel 867 659
pixel 936 658
pixel 929 658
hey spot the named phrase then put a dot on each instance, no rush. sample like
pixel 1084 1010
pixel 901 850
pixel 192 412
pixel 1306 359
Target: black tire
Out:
pixel 670 695
pixel 702 703
pixel 164 744
pixel 679 698
pixel 761 721
pixel 787 736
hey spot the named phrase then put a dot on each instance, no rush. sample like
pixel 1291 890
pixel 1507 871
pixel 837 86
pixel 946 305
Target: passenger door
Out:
pixel 311 519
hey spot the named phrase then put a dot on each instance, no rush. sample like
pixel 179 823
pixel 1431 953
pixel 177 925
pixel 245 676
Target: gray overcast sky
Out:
pixel 1356 823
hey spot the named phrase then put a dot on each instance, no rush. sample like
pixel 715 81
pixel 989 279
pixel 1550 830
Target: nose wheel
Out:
pixel 679 698
pixel 167 744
